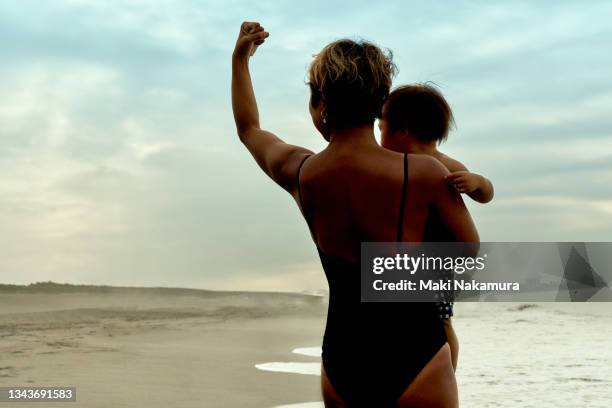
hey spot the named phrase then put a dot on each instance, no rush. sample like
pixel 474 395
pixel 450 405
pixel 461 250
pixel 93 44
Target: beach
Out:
pixel 159 347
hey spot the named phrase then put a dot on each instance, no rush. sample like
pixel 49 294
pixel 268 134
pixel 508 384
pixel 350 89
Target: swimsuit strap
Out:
pixel 400 221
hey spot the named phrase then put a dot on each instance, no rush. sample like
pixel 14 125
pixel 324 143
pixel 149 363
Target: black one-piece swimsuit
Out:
pixel 373 351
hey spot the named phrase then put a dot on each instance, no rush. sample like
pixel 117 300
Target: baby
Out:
pixel 416 119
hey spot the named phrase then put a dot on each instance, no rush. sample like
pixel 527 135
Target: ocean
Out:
pixel 516 355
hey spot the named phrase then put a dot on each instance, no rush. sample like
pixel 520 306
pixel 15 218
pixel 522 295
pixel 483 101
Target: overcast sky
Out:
pixel 120 165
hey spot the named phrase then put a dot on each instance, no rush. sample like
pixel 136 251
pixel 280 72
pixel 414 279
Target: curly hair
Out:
pixel 354 78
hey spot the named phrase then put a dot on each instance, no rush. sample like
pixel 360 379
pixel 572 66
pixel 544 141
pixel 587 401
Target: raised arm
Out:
pixel 277 159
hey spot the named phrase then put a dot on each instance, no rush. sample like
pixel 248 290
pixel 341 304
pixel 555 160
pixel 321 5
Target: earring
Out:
pixel 324 116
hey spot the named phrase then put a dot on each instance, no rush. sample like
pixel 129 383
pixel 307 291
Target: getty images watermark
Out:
pixel 491 271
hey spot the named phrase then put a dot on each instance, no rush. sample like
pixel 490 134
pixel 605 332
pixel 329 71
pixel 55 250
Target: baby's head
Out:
pixel 415 114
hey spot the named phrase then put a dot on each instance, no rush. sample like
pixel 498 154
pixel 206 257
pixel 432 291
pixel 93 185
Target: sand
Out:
pixel 126 347
pixel 158 348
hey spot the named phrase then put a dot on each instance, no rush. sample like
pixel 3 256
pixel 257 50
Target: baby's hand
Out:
pixel 464 181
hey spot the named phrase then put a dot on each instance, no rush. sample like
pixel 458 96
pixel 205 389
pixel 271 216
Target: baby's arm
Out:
pixel 478 187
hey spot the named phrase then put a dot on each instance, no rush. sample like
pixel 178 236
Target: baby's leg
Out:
pixel 453 341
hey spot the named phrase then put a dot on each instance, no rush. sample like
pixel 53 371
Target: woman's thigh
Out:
pixel 435 386
pixel 331 399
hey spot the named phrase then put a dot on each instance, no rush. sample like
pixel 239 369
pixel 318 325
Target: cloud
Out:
pixel 120 163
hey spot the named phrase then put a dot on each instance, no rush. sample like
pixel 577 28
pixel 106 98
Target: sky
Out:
pixel 120 165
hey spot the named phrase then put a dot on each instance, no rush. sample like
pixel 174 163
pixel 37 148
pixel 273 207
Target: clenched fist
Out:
pixel 251 36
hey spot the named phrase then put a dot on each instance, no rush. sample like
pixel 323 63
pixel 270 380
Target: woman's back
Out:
pixel 353 194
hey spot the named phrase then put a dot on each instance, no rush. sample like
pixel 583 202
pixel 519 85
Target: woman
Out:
pixel 374 354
